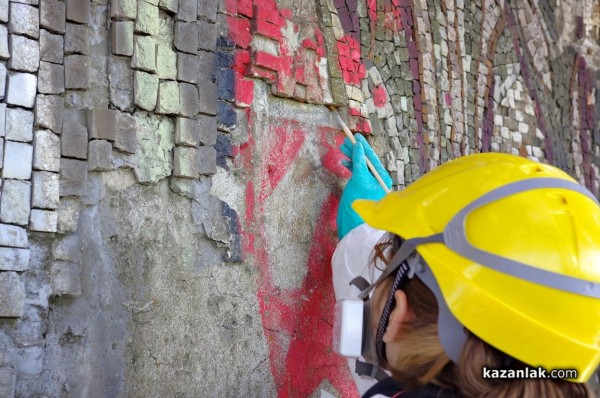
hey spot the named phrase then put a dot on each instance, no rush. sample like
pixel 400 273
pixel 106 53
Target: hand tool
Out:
pixel 350 136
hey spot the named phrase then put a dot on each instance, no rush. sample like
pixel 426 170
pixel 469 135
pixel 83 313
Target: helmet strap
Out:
pixel 450 331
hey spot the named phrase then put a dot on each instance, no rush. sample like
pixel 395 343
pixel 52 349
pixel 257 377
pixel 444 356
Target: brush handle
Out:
pixel 353 140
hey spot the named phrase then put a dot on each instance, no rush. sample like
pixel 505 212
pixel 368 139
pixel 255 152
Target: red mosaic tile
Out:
pixel 239 31
pixel 244 90
pixel 241 60
pixel 267 29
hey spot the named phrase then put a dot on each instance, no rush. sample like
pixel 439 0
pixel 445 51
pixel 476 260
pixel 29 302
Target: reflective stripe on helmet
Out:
pixel 455 238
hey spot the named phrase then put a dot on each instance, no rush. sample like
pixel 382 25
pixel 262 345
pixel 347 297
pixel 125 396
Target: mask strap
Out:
pixel 360 282
pixel 367 369
pixel 402 276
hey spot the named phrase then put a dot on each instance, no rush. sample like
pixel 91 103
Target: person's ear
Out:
pixel 399 315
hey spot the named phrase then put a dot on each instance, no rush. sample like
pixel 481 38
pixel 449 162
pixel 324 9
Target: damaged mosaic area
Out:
pixel 435 79
pixel 152 151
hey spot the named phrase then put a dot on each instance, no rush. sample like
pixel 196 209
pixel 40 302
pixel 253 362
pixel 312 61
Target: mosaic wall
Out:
pixel 441 79
pixel 209 116
pixel 88 87
pixel 428 81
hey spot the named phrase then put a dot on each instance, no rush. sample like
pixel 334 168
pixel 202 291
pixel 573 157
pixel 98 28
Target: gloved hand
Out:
pixel 362 184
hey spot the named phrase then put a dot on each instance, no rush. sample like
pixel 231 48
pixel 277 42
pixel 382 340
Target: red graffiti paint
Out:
pixel 264 12
pixel 297 322
pixel 241 60
pixel 244 90
pixel 300 74
pixel 331 159
pixel 287 13
pixel 266 4
pixel 354 112
pixel 353 71
pixel 231 6
pixel 244 7
pixel 364 126
pixel 265 74
pixel 289 67
pixel 372 9
pixel 306 369
pixel 266 60
pixel 308 43
pixel 287 140
pixel 239 31
pixel 379 96
pixel 267 29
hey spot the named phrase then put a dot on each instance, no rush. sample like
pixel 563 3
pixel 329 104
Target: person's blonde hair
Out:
pixel 422 359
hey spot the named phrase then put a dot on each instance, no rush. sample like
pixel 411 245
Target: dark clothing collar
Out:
pixel 392 388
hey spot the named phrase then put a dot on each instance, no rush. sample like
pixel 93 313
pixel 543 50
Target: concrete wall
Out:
pixel 170 174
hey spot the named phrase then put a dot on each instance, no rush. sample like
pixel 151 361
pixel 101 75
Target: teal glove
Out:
pixel 362 184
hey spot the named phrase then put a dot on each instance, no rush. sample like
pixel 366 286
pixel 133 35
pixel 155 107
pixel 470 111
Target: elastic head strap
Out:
pixel 400 280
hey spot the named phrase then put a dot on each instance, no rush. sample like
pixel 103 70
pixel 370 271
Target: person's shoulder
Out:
pixel 432 391
pixel 389 387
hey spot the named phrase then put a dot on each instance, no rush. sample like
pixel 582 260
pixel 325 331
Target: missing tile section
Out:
pixel 207 135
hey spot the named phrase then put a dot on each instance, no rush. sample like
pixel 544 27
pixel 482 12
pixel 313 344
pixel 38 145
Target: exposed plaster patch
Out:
pixel 290 37
pixel 228 189
pixel 264 44
pixel 324 77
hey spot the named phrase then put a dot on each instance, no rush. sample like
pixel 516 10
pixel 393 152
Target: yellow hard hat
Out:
pixel 513 250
